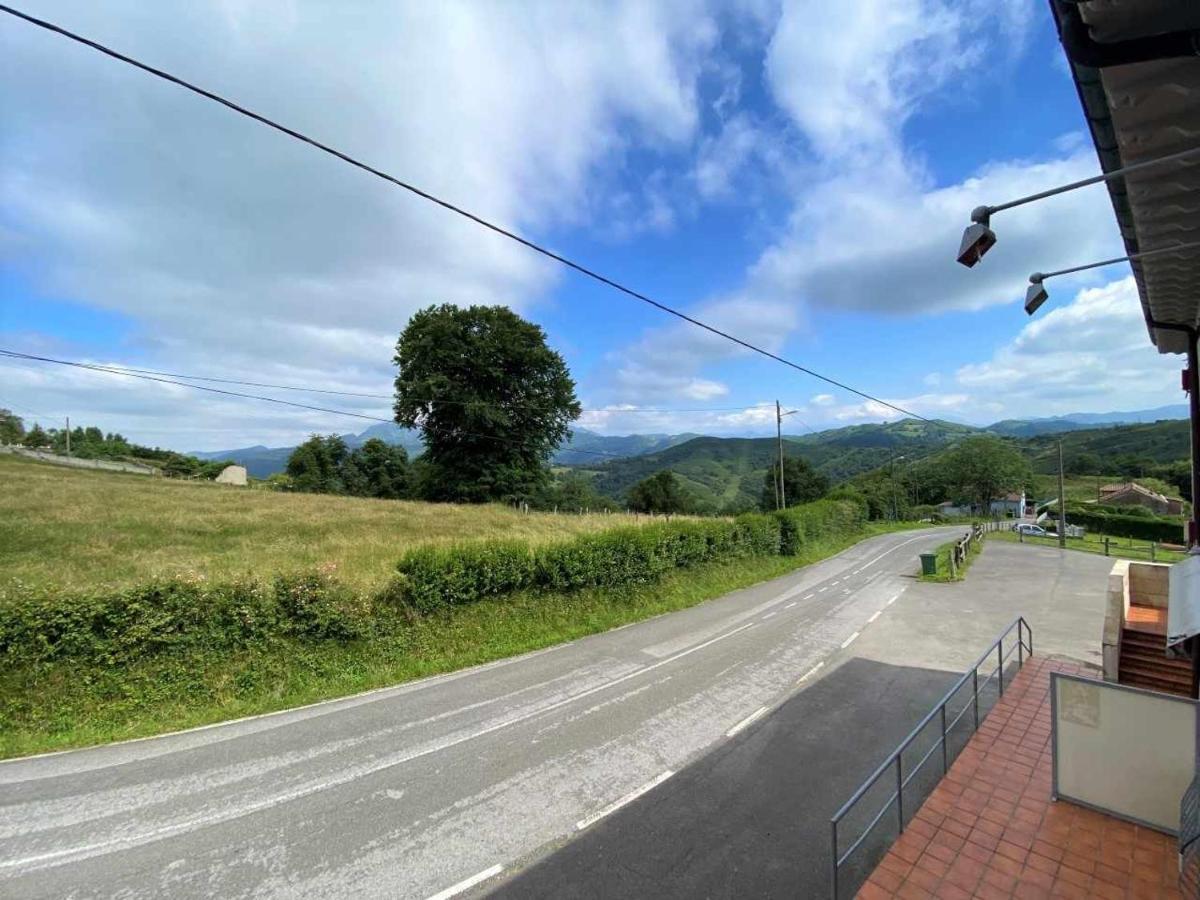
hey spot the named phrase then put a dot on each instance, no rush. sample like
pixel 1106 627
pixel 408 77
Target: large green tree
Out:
pixel 801 483
pixel 316 465
pixel 377 469
pixel 984 468
pixel 491 398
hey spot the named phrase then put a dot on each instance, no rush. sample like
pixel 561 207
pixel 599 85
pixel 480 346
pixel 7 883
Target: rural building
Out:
pixel 1011 505
pixel 1133 494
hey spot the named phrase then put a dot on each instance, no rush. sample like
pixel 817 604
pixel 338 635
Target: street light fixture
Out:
pixel 979 238
pixel 1036 295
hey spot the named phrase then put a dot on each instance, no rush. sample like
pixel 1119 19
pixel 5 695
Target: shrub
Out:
pixel 317 606
pixel 1146 529
pixel 435 577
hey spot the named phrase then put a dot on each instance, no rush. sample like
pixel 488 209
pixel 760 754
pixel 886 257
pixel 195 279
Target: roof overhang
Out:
pixel 1138 111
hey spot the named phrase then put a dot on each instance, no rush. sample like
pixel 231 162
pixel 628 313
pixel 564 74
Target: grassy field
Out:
pixel 78 528
pixel 1118 547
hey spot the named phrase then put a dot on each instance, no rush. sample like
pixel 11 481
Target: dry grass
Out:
pixel 75 528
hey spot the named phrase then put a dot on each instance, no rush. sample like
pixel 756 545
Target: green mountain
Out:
pixel 728 473
pixel 1116 448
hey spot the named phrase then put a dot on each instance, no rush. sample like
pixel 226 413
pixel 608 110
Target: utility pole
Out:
pixel 1062 504
pixel 68 437
pixel 779 440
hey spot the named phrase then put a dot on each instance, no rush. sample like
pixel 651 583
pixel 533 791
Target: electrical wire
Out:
pixel 12 354
pixel 312 390
pixel 445 204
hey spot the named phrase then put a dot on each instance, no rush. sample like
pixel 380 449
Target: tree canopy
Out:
pixel 492 400
pixel 985 468
pixel 801 483
pixel 662 492
pixel 12 429
pixel 325 465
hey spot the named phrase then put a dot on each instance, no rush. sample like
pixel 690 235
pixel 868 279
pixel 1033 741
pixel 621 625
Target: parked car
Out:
pixel 1029 530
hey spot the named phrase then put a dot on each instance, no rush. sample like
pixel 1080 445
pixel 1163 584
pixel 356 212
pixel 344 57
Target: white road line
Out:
pixel 893 550
pixel 875 616
pixel 806 597
pixel 768 615
pixel 790 605
pixel 822 590
pixel 622 801
pixel 850 640
pixel 835 583
pixel 757 714
pixel 811 672
pixel 467 883
pixel 64 854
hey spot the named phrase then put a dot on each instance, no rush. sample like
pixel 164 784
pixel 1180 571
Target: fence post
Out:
pixel 1106 545
pixel 945 762
pixel 833 828
pixel 1000 657
pixel 1152 551
pixel 975 694
pixel 1020 646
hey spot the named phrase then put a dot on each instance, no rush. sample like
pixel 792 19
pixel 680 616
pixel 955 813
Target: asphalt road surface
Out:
pixel 454 783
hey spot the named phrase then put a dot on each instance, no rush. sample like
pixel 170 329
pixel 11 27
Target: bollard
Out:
pixel 1106 545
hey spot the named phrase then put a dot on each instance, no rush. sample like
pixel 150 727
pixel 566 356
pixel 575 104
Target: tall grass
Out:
pixel 89 529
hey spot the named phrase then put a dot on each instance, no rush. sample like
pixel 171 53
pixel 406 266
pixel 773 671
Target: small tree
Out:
pixel 801 483
pixel 984 468
pixel 12 429
pixel 377 469
pixel 315 466
pixel 36 437
pixel 660 493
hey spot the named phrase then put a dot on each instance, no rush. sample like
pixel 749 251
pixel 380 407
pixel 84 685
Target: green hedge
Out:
pixel 1152 529
pixel 435 578
pixel 176 613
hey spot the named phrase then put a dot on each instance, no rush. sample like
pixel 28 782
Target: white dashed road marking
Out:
pixel 466 883
pixel 811 672
pixel 850 640
pixel 622 801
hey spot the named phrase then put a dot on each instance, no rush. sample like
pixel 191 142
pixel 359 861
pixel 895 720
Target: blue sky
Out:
pixel 797 173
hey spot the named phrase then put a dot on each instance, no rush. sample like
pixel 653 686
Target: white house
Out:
pixel 1011 505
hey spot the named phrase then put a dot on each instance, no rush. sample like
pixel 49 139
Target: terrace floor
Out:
pixel 990 830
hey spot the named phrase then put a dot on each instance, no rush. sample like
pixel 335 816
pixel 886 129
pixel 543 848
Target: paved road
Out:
pixel 411 791
pixel 751 817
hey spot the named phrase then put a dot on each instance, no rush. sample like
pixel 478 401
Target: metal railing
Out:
pixel 895 762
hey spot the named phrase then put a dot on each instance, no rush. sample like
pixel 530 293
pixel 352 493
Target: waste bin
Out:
pixel 928 563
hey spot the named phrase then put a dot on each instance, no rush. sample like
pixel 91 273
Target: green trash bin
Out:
pixel 928 563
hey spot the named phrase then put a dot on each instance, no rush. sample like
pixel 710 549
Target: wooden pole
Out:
pixel 779 441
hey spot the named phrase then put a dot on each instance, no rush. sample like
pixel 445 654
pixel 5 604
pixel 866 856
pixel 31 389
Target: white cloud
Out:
pixel 1090 354
pixel 235 250
pixel 823 400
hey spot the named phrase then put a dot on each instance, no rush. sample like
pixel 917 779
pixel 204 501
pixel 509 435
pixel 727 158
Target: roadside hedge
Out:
pixel 440 577
pixel 1140 527
pixel 171 615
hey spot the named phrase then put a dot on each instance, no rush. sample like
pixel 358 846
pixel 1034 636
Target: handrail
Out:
pixel 894 759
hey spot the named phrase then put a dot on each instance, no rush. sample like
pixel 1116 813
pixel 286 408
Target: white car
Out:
pixel 1030 530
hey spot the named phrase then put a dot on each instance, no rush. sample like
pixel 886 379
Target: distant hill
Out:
pixel 728 473
pixel 262 462
pixel 1157 442
pixel 1081 421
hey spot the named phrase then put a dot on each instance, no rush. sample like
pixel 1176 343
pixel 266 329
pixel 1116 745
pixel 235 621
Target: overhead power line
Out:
pixel 445 204
pixel 13 354
pixel 313 390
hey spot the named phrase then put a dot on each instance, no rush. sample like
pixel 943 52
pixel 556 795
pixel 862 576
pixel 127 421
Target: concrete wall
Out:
pixel 1149 583
pixel 1116 605
pixel 107 465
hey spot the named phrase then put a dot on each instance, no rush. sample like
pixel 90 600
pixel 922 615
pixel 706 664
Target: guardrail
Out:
pixel 895 763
